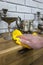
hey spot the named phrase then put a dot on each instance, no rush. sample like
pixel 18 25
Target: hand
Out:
pixel 34 42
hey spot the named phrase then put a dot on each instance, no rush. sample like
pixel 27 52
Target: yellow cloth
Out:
pixel 34 33
pixel 16 33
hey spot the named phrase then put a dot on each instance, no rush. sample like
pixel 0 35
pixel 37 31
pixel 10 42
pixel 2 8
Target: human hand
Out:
pixel 34 42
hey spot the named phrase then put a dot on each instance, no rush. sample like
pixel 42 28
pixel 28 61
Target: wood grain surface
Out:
pixel 9 54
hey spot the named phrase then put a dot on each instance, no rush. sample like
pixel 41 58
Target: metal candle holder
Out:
pixel 9 20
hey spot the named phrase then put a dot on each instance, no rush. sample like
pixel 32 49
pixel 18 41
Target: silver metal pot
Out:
pixel 26 26
pixel 18 22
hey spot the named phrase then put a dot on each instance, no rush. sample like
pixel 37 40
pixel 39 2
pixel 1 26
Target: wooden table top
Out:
pixel 9 47
pixel 5 44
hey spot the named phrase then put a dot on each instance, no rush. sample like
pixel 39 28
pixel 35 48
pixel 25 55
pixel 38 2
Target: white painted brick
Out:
pixel 34 4
pixel 40 5
pixel 34 10
pixel 20 1
pixel 21 15
pixel 23 9
pixel 16 1
pixel 3 31
pixel 29 16
pixel 9 14
pixel 3 25
pixel 41 11
pixel 10 7
pixel 28 2
pixel 31 3
pixel 20 8
pixel 13 24
pixel 28 9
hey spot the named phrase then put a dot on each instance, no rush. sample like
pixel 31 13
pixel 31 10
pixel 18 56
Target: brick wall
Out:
pixel 23 8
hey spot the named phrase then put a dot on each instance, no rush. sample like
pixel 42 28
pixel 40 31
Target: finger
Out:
pixel 31 44
pixel 26 36
pixel 26 42
pixel 23 37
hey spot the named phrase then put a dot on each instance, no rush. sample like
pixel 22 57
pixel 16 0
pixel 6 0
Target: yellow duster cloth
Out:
pixel 15 35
